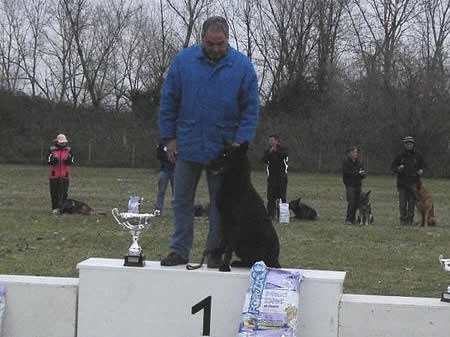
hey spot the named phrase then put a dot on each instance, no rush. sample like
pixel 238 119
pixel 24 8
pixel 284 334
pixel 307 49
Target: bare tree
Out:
pixel 10 26
pixel 435 25
pixel 379 26
pixel 284 40
pixel 96 31
pixel 189 11
pixel 330 13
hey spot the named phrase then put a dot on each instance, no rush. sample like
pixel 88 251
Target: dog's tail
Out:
pixel 192 267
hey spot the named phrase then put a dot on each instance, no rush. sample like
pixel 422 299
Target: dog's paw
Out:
pixel 224 267
pixel 238 263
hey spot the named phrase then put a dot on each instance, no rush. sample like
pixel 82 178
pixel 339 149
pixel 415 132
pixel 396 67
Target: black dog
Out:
pixel 365 216
pixel 246 228
pixel 72 206
pixel 302 211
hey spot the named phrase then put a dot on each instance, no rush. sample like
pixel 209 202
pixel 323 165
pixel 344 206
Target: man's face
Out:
pixel 354 154
pixel 409 146
pixel 215 45
pixel 273 141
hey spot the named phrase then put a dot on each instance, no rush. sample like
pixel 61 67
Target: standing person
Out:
pixel 276 158
pixel 59 158
pixel 166 170
pixel 210 94
pixel 408 166
pixel 352 173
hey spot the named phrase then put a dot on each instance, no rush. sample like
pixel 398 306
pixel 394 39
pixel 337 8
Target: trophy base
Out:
pixel 445 297
pixel 134 260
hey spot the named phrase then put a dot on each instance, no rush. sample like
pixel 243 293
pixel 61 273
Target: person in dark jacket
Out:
pixel 59 158
pixel 166 171
pixel 210 95
pixel 352 173
pixel 408 166
pixel 276 159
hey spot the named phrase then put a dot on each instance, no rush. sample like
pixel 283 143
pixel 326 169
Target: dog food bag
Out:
pixel 2 308
pixel 271 303
pixel 284 212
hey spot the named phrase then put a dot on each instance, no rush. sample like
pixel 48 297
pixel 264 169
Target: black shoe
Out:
pixel 173 259
pixel 213 261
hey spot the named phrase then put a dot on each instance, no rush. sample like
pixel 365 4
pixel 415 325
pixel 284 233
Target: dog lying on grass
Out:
pixel 302 211
pixel 246 228
pixel 424 206
pixel 72 206
pixel 365 216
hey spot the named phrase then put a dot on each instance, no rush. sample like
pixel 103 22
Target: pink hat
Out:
pixel 61 138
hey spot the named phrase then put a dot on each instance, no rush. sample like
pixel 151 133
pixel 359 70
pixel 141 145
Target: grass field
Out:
pixel 384 259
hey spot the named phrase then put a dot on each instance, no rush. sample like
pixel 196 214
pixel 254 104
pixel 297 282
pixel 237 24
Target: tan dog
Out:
pixel 424 206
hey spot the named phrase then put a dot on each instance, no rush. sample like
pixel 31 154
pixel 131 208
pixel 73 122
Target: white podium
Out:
pixel 155 301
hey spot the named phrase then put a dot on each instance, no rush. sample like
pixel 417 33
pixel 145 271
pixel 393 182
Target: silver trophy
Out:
pixel 135 223
pixel 446 264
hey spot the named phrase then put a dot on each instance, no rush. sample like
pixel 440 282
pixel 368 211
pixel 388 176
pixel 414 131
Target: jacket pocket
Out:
pixel 227 130
pixel 185 131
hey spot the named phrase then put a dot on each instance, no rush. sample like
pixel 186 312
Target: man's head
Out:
pixel 274 140
pixel 409 143
pixel 215 38
pixel 352 152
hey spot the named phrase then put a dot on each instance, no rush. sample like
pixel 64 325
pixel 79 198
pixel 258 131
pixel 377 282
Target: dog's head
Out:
pixel 364 200
pixel 86 210
pixel 303 211
pixel 231 158
pixel 418 190
pixel 294 204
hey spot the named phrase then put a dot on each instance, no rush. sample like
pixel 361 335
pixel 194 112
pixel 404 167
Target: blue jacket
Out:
pixel 202 102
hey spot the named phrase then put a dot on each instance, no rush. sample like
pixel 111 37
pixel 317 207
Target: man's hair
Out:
pixel 215 24
pixel 277 138
pixel 351 149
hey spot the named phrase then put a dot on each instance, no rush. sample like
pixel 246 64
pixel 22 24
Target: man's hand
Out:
pixel 420 172
pixel 172 150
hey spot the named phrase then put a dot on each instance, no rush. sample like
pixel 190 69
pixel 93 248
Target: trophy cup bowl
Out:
pixel 446 264
pixel 135 223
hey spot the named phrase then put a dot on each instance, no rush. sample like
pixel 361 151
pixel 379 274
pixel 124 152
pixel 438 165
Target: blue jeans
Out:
pixel 164 178
pixel 407 204
pixel 187 175
pixel 352 196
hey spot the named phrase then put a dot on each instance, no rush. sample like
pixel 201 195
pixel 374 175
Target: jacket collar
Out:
pixel 227 60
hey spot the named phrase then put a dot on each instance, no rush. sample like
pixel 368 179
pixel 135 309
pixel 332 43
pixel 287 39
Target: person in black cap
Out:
pixel 353 173
pixel 276 159
pixel 408 166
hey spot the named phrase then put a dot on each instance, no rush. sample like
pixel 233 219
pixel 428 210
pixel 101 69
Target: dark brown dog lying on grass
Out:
pixel 72 206
pixel 424 206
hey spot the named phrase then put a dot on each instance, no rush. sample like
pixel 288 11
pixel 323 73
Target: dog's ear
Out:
pixel 244 146
pixel 368 192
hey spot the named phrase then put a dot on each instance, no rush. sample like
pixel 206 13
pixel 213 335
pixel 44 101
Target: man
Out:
pixel 408 166
pixel 352 174
pixel 276 158
pixel 210 94
pixel 166 171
